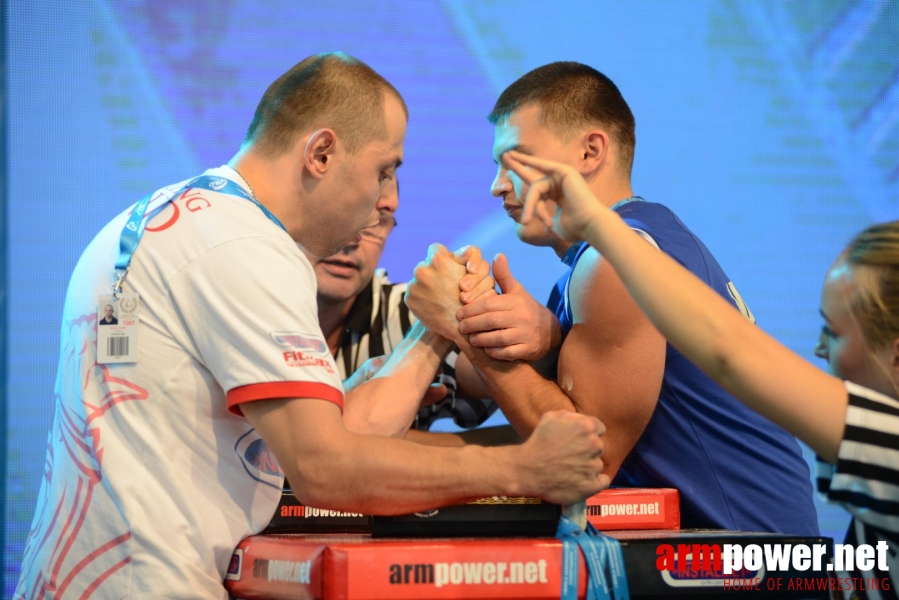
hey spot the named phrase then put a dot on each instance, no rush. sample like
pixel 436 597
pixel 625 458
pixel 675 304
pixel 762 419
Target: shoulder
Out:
pixel 659 225
pixel 652 220
pixel 192 218
pixel 599 298
pixel 202 226
pixel 257 261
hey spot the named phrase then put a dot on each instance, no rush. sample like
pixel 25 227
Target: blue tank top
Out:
pixel 734 469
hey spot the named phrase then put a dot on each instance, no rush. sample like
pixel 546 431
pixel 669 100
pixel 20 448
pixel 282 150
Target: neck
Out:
pixel 609 190
pixel 560 247
pixel 331 319
pixel 271 182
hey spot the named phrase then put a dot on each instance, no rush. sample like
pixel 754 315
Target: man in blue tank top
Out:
pixel 667 424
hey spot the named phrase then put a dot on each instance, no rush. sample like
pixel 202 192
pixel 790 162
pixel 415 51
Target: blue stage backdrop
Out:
pixel 771 127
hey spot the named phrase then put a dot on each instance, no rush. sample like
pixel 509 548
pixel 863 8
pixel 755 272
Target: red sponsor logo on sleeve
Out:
pixel 298 359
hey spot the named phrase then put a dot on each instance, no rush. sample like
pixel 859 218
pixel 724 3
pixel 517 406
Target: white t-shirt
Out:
pixel 152 475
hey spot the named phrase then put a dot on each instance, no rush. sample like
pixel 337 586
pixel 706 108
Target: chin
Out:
pixel 321 248
pixel 534 236
pixel 336 292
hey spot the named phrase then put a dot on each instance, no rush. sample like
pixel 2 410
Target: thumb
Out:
pixel 503 275
pixel 463 254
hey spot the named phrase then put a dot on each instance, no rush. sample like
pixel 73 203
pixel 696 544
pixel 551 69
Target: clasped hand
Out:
pixel 442 282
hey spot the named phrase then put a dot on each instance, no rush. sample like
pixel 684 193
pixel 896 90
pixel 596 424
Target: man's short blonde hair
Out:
pixel 330 90
pixel 571 97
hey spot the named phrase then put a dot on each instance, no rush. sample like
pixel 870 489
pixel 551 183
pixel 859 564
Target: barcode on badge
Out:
pixel 117 346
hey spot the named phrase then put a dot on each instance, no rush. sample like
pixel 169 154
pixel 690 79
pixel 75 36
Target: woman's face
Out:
pixel 841 342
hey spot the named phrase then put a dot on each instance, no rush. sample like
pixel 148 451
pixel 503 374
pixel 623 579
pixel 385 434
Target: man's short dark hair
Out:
pixel 572 96
pixel 325 90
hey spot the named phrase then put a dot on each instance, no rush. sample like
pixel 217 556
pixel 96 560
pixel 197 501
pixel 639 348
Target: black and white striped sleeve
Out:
pixel 865 478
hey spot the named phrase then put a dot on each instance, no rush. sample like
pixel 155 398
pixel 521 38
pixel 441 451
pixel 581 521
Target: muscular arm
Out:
pixel 331 467
pixel 610 366
pixel 471 385
pixel 468 386
pixel 612 362
pixel 403 379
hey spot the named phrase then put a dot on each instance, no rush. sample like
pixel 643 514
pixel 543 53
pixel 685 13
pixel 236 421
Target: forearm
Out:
pixel 387 403
pixel 386 476
pixel 519 390
pixel 330 467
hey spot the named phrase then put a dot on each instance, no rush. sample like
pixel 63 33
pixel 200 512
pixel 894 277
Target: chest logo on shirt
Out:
pixel 217 184
pixel 258 460
pixel 300 341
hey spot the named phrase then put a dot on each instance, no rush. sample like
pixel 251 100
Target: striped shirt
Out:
pixel 375 325
pixel 865 480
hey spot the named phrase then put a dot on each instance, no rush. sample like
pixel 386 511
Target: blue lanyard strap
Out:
pixel 137 221
pixel 621 203
pixel 607 578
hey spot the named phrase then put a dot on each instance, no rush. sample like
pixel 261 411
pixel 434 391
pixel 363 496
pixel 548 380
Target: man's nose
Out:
pixel 501 183
pixel 390 199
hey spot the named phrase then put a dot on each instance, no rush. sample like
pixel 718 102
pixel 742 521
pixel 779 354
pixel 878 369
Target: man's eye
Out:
pixel 385 176
pixel 826 331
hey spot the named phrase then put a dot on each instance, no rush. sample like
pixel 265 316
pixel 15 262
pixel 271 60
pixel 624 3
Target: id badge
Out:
pixel 117 328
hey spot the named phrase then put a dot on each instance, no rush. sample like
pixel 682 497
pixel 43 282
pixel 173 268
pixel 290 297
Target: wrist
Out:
pixel 592 227
pixel 436 342
pixel 513 474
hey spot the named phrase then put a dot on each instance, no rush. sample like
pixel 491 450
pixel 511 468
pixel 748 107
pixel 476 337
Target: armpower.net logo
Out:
pixel 738 567
pixel 469 573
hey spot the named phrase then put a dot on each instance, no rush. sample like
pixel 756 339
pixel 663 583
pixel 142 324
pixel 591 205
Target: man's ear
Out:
pixel 594 151
pixel 318 153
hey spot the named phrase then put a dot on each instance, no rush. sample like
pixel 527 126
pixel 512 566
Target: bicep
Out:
pixel 612 362
pixel 297 430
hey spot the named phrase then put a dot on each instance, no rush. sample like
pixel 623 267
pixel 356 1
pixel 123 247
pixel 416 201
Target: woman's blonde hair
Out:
pixel 874 258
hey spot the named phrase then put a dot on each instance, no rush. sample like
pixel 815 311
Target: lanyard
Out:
pixel 621 203
pixel 137 221
pixel 600 552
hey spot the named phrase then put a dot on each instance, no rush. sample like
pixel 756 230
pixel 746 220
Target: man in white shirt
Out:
pixel 157 468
